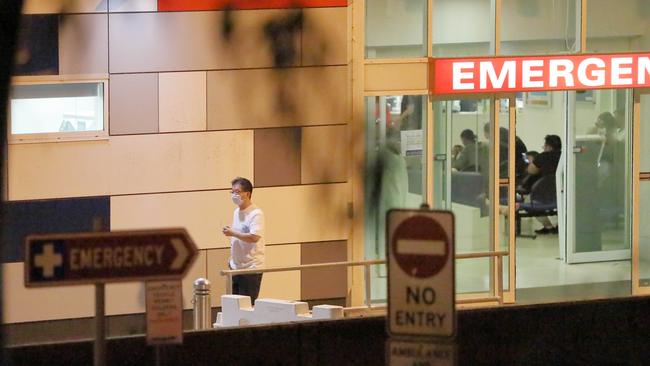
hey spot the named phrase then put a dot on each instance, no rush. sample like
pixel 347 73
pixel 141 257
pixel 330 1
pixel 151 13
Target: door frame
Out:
pixel 568 248
pixel 637 178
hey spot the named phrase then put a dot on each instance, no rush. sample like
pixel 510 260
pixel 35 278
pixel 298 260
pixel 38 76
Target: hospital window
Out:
pixel 57 111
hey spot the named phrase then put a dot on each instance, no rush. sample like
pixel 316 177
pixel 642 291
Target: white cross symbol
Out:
pixel 48 260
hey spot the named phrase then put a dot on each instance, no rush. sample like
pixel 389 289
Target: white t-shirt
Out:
pixel 243 254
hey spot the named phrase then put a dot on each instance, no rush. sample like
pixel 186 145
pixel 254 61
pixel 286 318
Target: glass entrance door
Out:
pixel 466 182
pixel 597 176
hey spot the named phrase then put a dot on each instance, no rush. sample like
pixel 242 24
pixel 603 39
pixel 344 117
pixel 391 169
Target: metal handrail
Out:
pixel 367 263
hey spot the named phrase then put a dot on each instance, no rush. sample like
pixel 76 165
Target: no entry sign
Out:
pixel 420 256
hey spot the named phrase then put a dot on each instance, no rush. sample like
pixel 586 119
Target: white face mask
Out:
pixel 236 199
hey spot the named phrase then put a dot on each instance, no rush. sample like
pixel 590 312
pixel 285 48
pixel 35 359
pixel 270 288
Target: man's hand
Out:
pixel 228 231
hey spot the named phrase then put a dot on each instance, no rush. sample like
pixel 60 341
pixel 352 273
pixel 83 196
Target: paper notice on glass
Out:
pixel 411 142
pixel 164 312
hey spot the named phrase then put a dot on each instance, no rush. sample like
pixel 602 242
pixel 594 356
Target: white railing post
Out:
pixel 366 273
pixel 228 284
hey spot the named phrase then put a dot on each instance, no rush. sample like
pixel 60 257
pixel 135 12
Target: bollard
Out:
pixel 201 301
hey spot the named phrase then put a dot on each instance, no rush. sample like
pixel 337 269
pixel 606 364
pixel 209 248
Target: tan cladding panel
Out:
pixel 56 170
pixel 324 154
pixel 281 285
pixel 277 97
pixel 129 164
pixel 129 298
pixel 64 6
pixel 398 77
pixel 304 213
pixel 179 162
pixel 180 41
pixel 21 304
pixel 182 101
pixel 203 214
pixel 325 36
pixel 293 214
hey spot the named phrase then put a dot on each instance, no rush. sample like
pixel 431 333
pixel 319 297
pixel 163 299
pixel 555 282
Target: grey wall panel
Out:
pixel 133 104
pixel 277 157
pixel 181 41
pixel 83 44
pixel 38 45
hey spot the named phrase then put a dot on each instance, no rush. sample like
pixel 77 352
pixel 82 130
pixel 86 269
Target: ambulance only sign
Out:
pixel 420 247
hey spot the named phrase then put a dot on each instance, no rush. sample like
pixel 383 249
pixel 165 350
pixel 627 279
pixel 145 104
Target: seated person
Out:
pixel 455 151
pixel 528 180
pixel 466 160
pixel 546 164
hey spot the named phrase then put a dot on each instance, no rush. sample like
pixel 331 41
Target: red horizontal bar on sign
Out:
pixel 538 73
pixel 191 5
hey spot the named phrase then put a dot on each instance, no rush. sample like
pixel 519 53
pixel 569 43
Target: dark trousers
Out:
pixel 248 284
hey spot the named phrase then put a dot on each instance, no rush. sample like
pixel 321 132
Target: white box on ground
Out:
pixel 421 295
pixel 237 310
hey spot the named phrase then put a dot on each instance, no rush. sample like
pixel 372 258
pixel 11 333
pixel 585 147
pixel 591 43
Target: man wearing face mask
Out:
pixel 246 239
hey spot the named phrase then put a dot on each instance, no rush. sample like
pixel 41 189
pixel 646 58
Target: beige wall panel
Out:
pixel 21 304
pixel 133 104
pixel 324 155
pixel 385 77
pixel 197 270
pixel 129 298
pixel 301 214
pixel 325 36
pixel 217 261
pixel 203 214
pixel 83 44
pixel 64 6
pixel 125 298
pixel 181 103
pixel 179 161
pixel 132 5
pixel 56 170
pixel 177 41
pixel 277 97
pixel 281 285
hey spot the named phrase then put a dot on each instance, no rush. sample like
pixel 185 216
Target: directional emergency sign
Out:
pixel 420 247
pixel 81 258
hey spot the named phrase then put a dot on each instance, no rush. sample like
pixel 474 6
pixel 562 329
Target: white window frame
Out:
pixel 59 136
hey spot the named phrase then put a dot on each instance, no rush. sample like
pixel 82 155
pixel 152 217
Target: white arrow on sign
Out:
pixel 181 253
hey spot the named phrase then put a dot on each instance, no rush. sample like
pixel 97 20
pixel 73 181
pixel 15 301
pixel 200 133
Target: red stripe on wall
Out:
pixel 190 5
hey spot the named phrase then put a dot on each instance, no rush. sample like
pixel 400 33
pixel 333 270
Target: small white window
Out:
pixel 59 111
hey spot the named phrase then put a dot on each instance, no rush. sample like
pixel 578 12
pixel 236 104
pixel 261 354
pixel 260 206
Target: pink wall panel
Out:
pixel 190 5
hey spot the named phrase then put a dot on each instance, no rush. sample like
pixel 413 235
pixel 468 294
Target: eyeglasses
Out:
pixel 236 191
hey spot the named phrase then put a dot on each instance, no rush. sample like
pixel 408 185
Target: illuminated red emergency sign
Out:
pixel 509 74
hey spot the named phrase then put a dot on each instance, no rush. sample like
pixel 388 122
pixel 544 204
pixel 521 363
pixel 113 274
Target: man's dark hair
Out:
pixel 553 141
pixel 468 135
pixel 532 153
pixel 244 183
